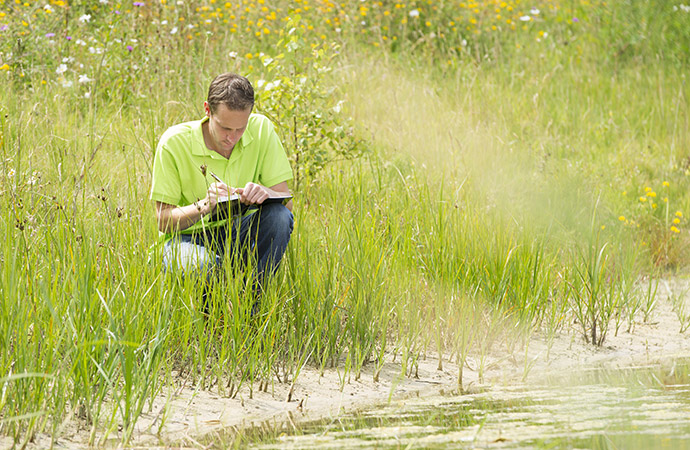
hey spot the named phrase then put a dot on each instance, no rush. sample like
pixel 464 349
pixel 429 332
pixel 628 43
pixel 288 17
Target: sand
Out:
pixel 185 417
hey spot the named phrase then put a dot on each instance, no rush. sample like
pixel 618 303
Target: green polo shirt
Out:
pixel 178 180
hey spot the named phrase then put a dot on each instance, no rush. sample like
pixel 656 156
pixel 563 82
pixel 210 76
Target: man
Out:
pixel 229 151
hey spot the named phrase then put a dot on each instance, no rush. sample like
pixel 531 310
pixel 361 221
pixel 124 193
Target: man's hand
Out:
pixel 253 194
pixel 214 191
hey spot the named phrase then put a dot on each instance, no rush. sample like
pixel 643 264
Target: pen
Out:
pixel 216 177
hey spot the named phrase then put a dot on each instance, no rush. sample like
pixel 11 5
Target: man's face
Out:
pixel 226 126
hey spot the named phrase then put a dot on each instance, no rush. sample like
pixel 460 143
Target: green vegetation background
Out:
pixel 467 174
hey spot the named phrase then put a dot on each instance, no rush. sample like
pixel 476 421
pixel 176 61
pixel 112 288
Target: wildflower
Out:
pixel 5 67
pixel 679 214
pixel 130 48
pixel 67 84
pixel 643 199
pixel 85 18
pixel 647 189
pixel 4 27
pixel 665 184
pixel 69 38
pixel 413 13
pixel 675 230
pixel 621 218
pixel 525 18
pixel 62 68
pixel 575 20
pixel 534 11
pixel 676 221
pixel 174 30
pixel 232 55
pixel 138 3
pixel 50 35
pixel 651 194
pixel 103 2
pixel 665 199
pixel 87 94
pixel 84 79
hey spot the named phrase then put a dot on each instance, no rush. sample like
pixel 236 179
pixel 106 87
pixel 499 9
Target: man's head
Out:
pixel 228 107
pixel 232 90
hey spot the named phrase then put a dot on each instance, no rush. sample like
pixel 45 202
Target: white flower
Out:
pixel 67 84
pixel 62 68
pixel 173 31
pixel 87 94
pixel 80 42
pixel 525 18
pixel 180 3
pixel 260 83
pixel 338 30
pixel 464 43
pixel 48 8
pixel 68 59
pixel 84 79
pixel 534 11
pixel 85 18
pixel 103 2
pixel 272 84
pixel 232 55
pixel 414 13
pixel 164 22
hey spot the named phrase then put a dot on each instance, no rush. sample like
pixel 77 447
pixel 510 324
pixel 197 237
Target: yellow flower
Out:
pixel 665 199
pixel 603 227
pixel 665 184
pixel 676 220
pixel 5 67
pixel 621 218
pixel 654 205
pixel 675 230
pixel 249 56
pixel 651 194
pixel 679 214
pixel 643 199
pixel 648 189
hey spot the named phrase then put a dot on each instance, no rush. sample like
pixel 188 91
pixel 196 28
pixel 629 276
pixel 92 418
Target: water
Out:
pixel 634 408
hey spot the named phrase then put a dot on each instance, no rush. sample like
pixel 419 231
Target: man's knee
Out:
pixel 277 220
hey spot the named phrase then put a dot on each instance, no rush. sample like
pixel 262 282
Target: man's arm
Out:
pixel 173 218
pixel 255 194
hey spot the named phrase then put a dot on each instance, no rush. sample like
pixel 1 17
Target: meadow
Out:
pixel 466 174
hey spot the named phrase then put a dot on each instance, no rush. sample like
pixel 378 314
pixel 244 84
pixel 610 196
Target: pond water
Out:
pixel 638 408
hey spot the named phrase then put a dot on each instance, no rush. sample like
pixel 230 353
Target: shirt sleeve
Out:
pixel 165 183
pixel 275 167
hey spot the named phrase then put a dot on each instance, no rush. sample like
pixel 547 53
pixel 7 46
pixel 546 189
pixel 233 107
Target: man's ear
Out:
pixel 207 109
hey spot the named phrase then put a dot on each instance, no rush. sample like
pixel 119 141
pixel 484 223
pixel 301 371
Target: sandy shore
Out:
pixel 184 417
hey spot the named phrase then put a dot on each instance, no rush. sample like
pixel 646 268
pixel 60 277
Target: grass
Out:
pixel 466 221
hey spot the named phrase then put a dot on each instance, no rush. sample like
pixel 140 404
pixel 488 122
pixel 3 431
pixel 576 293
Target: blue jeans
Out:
pixel 263 235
